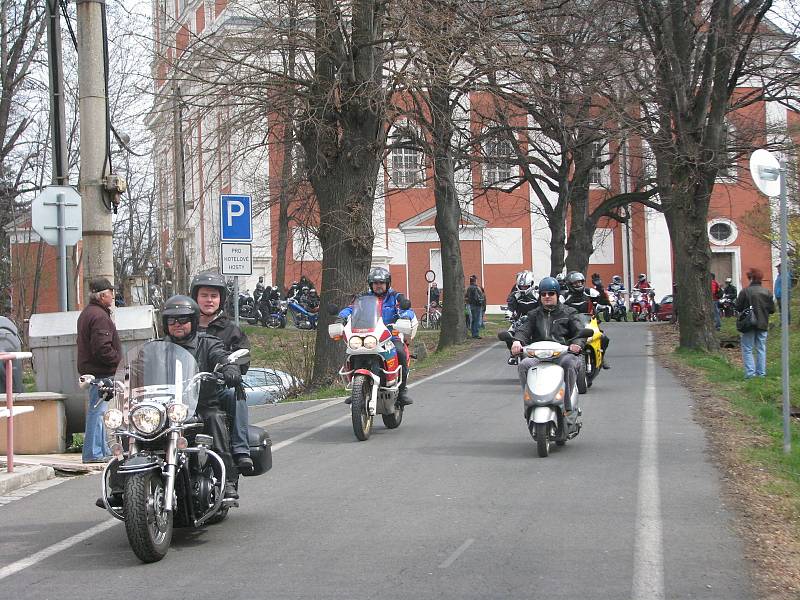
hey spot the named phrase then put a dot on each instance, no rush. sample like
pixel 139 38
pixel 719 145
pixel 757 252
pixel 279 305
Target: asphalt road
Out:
pixel 453 504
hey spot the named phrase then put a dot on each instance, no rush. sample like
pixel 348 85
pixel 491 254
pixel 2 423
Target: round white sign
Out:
pixel 430 276
pixel 765 169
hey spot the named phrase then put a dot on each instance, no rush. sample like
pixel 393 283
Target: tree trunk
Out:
pixel 345 195
pixel 283 211
pixel 448 218
pixel 686 217
pixel 580 241
pixel 557 237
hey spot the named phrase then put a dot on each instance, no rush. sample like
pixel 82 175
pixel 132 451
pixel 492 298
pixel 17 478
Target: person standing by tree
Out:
pixel 716 296
pixel 475 300
pixel 754 339
pixel 99 353
pixel 779 292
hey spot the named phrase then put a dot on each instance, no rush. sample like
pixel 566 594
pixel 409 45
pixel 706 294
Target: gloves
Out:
pixel 232 375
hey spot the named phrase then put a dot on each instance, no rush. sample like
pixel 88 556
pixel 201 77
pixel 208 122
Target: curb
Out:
pixel 24 475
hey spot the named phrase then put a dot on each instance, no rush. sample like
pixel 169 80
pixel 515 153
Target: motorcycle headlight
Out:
pixel 112 418
pixel 177 413
pixel 355 342
pixel 544 354
pixel 146 419
pixel 370 342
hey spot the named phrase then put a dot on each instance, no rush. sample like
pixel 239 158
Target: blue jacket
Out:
pixel 390 310
pixel 778 286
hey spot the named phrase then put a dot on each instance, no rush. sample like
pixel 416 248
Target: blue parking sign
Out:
pixel 236 222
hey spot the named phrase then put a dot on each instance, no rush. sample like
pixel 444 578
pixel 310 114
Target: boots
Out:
pixel 605 364
pixel 230 493
pixel 403 399
pixel 244 462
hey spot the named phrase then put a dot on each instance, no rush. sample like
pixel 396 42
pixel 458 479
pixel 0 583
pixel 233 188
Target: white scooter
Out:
pixel 551 410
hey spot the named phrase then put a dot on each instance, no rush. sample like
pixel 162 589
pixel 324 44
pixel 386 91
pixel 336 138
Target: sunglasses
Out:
pixel 549 294
pixel 178 320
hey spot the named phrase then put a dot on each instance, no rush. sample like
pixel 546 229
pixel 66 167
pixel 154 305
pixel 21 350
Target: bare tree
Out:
pixel 687 61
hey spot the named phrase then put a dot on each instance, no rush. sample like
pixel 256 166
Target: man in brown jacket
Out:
pixel 99 353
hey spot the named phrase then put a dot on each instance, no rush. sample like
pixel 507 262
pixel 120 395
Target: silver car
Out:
pixel 268 386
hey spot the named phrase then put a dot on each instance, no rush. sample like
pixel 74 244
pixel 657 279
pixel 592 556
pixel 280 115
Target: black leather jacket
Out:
pixel 562 324
pixel 584 301
pixel 224 328
pixel 521 303
pixel 209 352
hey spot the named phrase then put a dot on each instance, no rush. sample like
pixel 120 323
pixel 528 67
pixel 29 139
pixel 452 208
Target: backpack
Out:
pixel 477 296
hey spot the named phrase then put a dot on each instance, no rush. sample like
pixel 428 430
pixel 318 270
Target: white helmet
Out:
pixel 525 281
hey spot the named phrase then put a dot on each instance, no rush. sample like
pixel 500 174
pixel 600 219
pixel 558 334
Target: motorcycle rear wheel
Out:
pixel 542 439
pixel 588 357
pixel 360 394
pixel 148 525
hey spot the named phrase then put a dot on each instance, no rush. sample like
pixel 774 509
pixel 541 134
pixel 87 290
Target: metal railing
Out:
pixel 9 411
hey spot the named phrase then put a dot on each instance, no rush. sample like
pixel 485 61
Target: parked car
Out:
pixel 268 386
pixel 664 312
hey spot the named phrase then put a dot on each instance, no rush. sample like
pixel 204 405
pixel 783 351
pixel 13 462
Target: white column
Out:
pixel 380 251
pixel 776 134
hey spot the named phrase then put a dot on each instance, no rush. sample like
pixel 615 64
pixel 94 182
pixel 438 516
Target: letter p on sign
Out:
pixel 235 218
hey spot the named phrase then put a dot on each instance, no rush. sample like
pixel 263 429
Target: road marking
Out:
pixel 454 556
pixel 648 571
pixel 31 560
pixel 38 557
pixel 299 413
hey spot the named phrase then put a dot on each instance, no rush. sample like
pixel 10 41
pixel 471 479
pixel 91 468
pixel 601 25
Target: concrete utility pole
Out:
pixel 57 120
pixel 98 250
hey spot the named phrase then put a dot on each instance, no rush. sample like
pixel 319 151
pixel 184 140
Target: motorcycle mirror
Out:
pixel 586 332
pixel 404 303
pixel 239 357
pixel 333 310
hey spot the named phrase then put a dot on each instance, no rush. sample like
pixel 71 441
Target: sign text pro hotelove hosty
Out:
pixel 237 259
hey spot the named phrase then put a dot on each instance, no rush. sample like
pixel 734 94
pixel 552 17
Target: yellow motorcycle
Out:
pixel 592 354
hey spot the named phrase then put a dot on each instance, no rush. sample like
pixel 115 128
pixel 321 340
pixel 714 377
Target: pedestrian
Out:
pixel 716 294
pixel 10 342
pixel 99 353
pixel 754 339
pixel 483 308
pixel 475 300
pixel 779 292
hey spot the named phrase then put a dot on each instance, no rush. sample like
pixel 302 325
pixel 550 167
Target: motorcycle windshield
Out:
pixel 366 312
pixel 158 371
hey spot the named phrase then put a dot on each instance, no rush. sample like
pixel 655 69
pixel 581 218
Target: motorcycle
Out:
pixel 727 307
pixel 618 310
pixel 641 309
pixel 163 473
pixel 302 317
pixel 272 312
pixel 551 411
pixel 431 317
pixel 247 308
pixel 605 310
pixel 372 370
pixel 592 353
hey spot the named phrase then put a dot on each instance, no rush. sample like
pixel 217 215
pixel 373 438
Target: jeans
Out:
pixel 717 322
pixel 239 420
pixel 475 319
pixel 402 358
pixel 754 342
pixel 95 444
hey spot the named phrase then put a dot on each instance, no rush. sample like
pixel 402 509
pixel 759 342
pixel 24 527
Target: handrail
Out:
pixel 9 357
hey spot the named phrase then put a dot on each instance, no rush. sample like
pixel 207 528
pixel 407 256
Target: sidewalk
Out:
pixel 33 468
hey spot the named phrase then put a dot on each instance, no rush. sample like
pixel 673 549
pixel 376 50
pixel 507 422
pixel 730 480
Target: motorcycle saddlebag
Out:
pixel 260 450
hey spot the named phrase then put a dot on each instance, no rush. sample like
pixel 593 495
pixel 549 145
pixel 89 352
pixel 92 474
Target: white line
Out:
pixel 308 433
pixel 648 571
pixel 454 556
pixel 31 560
pixel 38 557
pixel 299 413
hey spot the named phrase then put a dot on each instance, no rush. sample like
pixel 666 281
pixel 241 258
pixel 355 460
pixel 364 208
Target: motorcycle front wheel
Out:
pixel 147 523
pixel 393 420
pixel 360 395
pixel 542 439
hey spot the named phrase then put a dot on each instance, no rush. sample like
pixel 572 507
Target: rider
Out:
pixel 208 290
pixel 562 282
pixel 310 300
pixel 584 300
pixel 616 284
pixel 553 321
pixel 259 291
pixel 521 301
pixel 642 284
pixel 729 291
pixel 180 320
pixel 379 281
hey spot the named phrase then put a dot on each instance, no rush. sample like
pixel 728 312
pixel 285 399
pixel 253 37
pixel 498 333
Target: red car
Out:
pixel 664 312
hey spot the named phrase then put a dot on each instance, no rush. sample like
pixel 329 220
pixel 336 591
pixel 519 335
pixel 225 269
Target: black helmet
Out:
pixel 576 281
pixel 210 279
pixel 616 279
pixel 379 275
pixel 181 306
